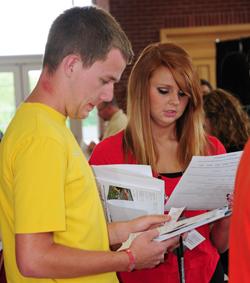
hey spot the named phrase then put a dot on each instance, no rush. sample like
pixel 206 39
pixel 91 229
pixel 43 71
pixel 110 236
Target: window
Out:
pixel 90 127
pixel 31 74
pixel 19 71
pixel 25 24
pixel 18 76
pixel 7 94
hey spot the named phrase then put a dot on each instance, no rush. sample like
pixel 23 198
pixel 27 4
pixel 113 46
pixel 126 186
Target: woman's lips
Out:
pixel 170 113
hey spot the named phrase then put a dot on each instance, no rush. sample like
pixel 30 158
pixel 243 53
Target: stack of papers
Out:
pixel 175 228
pixel 179 227
pixel 130 191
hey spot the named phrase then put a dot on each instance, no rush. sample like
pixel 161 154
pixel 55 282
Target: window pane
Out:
pixel 33 78
pixel 32 38
pixel 7 99
pixel 90 127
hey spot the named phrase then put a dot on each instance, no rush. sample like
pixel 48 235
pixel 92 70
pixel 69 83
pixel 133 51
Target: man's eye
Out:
pixel 104 82
pixel 163 90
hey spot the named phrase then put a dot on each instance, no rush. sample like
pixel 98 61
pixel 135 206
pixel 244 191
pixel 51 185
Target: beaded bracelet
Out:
pixel 131 258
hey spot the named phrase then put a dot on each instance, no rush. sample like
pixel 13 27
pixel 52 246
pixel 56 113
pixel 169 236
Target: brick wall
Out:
pixel 143 19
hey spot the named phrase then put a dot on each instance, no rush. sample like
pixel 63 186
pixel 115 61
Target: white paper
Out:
pixel 137 169
pixel 127 194
pixel 175 213
pixel 182 226
pixel 191 223
pixel 206 182
pixel 194 238
pixel 121 210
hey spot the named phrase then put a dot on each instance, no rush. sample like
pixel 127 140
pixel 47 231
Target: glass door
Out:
pixel 10 94
pixel 18 76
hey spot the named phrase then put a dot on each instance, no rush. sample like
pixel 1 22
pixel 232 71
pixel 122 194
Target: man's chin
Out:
pixel 84 115
pixel 79 116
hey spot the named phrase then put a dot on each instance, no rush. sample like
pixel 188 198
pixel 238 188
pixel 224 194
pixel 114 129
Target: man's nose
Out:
pixel 108 92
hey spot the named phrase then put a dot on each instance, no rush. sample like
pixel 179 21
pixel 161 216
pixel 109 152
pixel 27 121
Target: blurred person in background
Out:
pixel 226 119
pixel 206 87
pixel 114 117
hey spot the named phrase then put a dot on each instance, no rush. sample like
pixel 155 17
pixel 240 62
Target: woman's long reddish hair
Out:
pixel 138 138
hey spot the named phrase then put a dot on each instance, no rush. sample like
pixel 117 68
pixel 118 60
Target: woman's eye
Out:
pixel 181 93
pixel 162 90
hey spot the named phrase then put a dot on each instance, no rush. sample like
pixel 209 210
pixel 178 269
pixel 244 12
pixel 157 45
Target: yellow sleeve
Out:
pixel 39 169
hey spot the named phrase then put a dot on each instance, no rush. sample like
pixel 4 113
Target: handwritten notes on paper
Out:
pixel 206 182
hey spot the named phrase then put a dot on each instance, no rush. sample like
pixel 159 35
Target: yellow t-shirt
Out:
pixel 47 185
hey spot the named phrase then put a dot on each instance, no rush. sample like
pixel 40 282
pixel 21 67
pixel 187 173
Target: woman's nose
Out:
pixel 174 98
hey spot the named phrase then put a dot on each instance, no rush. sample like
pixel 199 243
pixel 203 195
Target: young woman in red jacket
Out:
pixel 165 129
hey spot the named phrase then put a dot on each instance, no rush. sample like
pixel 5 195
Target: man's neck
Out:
pixel 47 93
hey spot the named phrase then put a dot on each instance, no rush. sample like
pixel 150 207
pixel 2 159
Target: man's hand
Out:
pixel 147 222
pixel 149 253
pixel 119 231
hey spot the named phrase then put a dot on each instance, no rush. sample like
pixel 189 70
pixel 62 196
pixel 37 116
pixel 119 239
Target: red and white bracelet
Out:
pixel 131 258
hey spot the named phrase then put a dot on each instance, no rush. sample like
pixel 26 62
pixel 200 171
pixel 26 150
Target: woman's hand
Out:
pixel 220 229
pixel 230 200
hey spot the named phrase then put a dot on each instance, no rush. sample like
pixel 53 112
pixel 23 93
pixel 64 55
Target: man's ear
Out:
pixel 70 63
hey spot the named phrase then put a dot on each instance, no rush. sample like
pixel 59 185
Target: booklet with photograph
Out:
pixel 128 192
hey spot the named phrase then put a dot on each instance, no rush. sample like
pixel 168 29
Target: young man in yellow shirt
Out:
pixel 51 218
